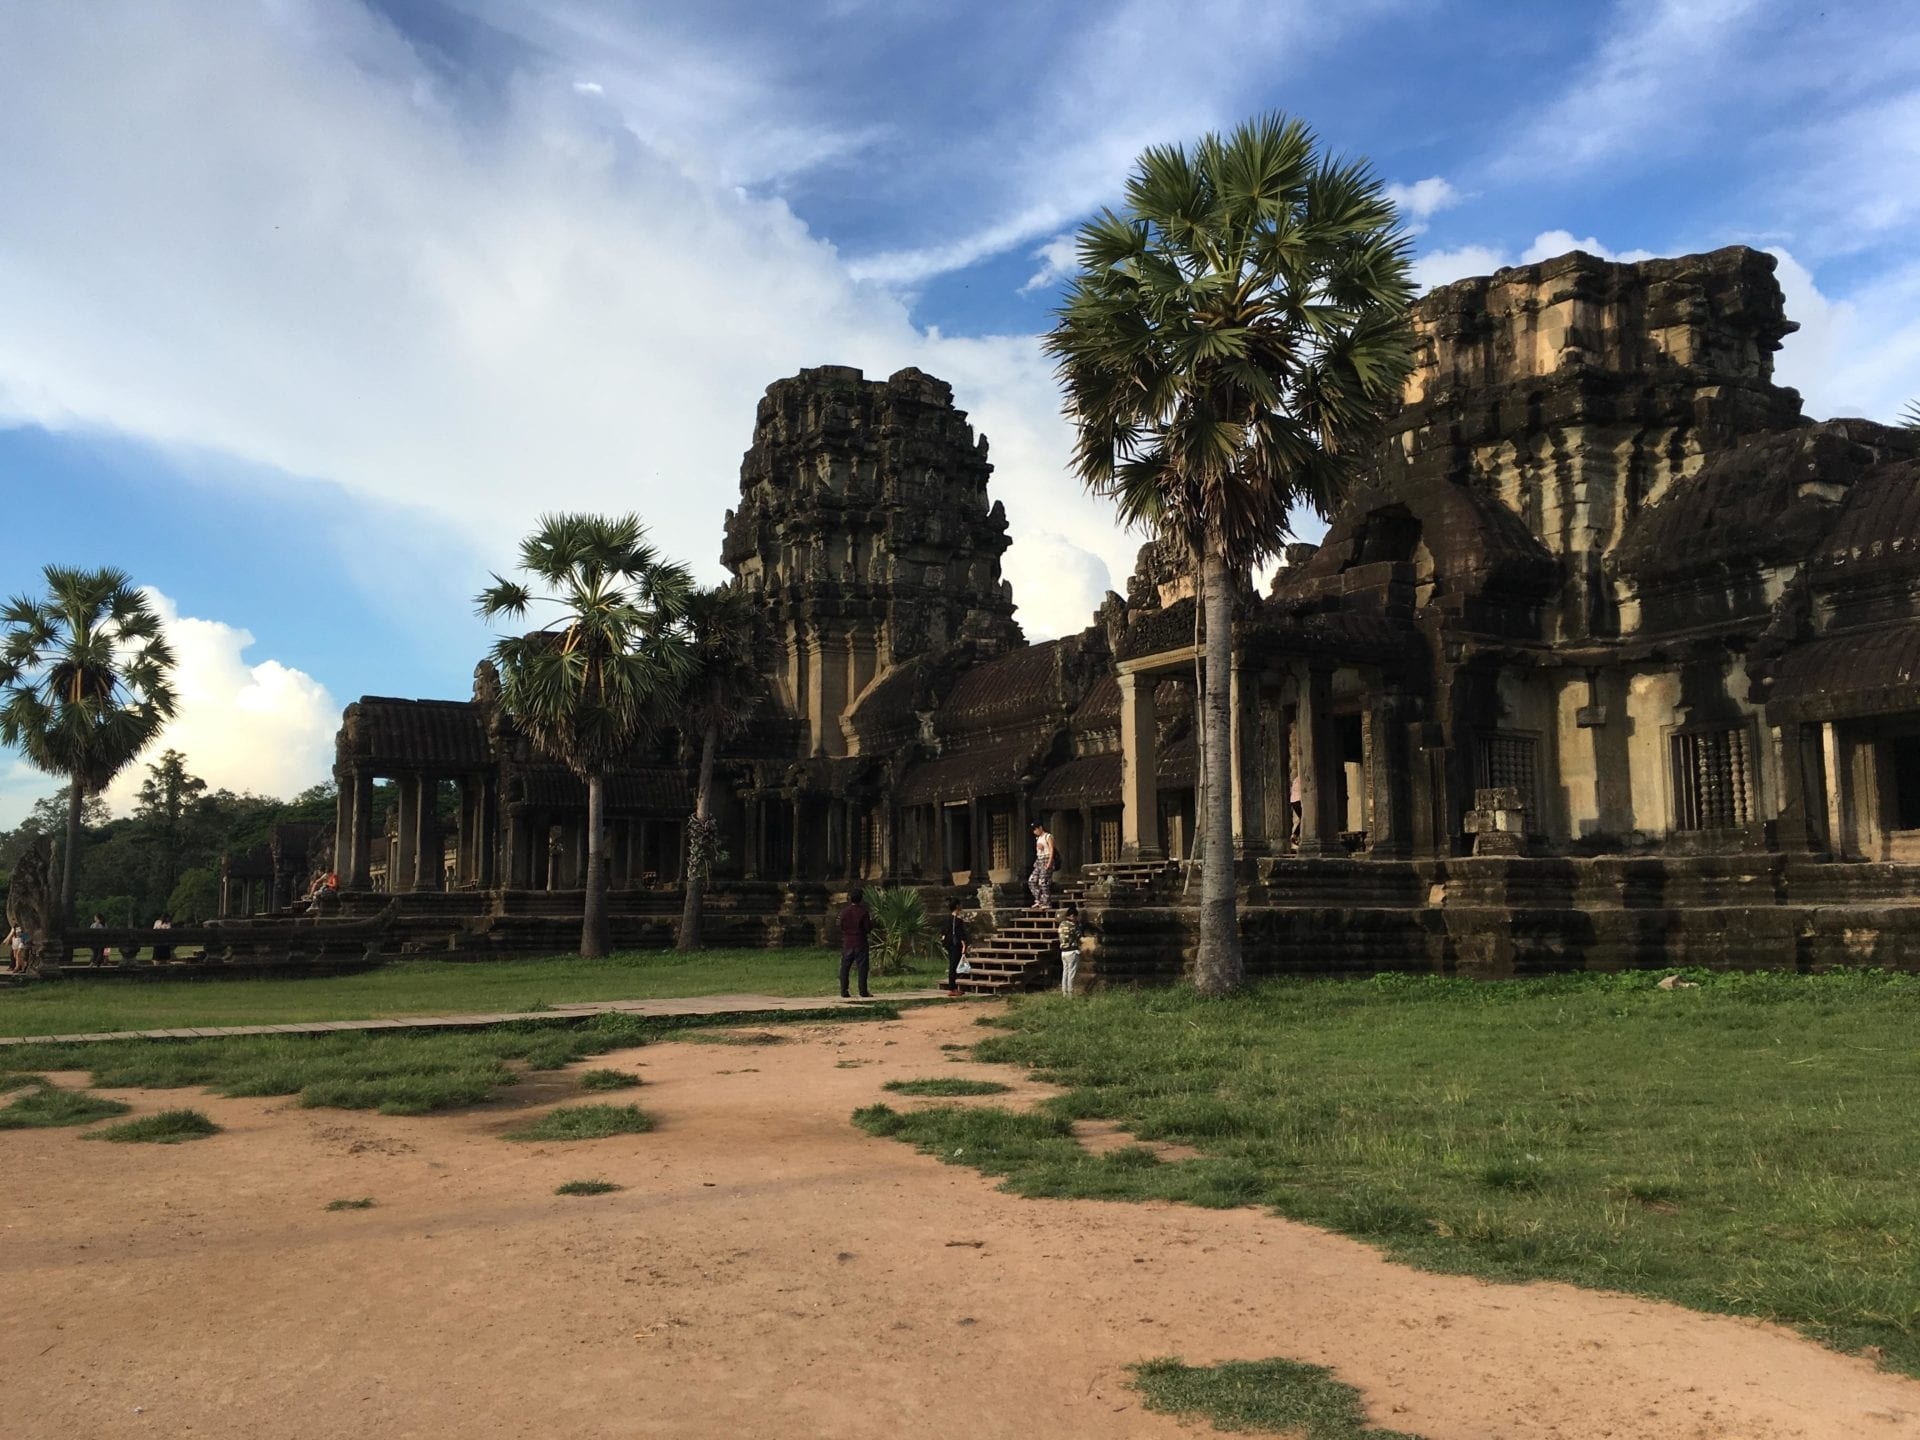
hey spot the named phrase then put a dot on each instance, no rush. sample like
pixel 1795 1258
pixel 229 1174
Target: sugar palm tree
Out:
pixel 84 686
pixel 1229 348
pixel 721 694
pixel 598 681
pixel 1910 417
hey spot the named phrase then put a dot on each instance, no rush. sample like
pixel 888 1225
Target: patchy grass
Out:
pixel 1742 1147
pixel 586 1122
pixel 736 1037
pixel 168 1127
pixel 586 1187
pixel 608 1080
pixel 83 1005
pixel 45 1107
pixel 365 1203
pixel 9 1083
pixel 946 1085
pixel 396 1073
pixel 1275 1396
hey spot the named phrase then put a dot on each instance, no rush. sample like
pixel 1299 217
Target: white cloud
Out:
pixel 1858 355
pixel 588 87
pixel 268 247
pixel 1549 244
pixel 1422 200
pixel 1055 576
pixel 1443 267
pixel 242 724
pixel 1057 262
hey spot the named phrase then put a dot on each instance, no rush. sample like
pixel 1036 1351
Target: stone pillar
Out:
pixel 750 847
pixel 358 836
pixel 489 838
pixel 827 691
pixel 401 864
pixel 429 856
pixel 1319 822
pixel 1390 785
pixel 795 845
pixel 1139 770
pixel 1249 778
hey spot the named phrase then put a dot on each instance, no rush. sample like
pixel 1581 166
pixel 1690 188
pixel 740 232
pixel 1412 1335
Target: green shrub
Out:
pixel 608 1080
pixel 586 1122
pixel 168 1127
pixel 586 1187
pixel 45 1107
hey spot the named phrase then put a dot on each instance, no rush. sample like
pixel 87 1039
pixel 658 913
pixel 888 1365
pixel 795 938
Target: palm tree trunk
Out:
pixel 68 867
pixel 1217 968
pixel 700 854
pixel 593 923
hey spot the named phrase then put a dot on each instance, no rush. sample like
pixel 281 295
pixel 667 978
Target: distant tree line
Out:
pixel 165 856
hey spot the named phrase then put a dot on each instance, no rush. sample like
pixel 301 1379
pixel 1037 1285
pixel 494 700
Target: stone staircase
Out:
pixel 1023 954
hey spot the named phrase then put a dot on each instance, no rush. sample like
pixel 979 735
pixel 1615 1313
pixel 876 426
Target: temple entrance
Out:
pixel 1903 781
pixel 1350 780
pixel 958 835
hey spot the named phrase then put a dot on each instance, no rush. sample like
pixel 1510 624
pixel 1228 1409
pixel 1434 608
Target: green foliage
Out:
pixel 365 1203
pixel 45 1107
pixel 1740 1147
pixel 1276 1396
pixel 196 896
pixel 608 1080
pixel 1235 336
pixel 950 1085
pixel 168 1127
pixel 396 1073
pixel 902 931
pixel 1910 417
pixel 736 1037
pixel 586 1122
pixel 586 1187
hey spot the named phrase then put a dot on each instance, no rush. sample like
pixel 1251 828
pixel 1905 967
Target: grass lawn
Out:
pixel 423 987
pixel 1748 1146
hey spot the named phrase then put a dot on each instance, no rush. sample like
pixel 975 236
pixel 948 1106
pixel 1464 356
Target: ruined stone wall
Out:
pixel 865 529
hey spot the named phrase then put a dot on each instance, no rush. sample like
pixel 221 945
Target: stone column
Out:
pixel 795 845
pixel 1319 824
pixel 1139 770
pixel 429 855
pixel 827 690
pixel 489 839
pixel 401 864
pixel 1390 785
pixel 358 836
pixel 1249 779
pixel 750 847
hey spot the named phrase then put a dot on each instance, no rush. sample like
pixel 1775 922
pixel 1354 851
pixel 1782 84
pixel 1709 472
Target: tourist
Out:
pixel 101 953
pixel 856 925
pixel 1040 882
pixel 20 945
pixel 1069 947
pixel 956 947
pixel 163 952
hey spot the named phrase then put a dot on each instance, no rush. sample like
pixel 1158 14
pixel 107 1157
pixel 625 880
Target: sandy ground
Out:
pixel 769 1270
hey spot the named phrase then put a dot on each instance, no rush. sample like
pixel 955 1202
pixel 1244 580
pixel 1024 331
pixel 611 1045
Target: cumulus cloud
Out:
pixel 1858 355
pixel 1550 243
pixel 244 724
pixel 1055 576
pixel 282 247
pixel 1443 267
pixel 1422 200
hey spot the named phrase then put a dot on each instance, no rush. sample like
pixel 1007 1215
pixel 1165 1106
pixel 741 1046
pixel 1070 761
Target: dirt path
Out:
pixel 769 1271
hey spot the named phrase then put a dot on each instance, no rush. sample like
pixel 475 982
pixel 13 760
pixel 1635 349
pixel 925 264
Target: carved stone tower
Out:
pixel 865 532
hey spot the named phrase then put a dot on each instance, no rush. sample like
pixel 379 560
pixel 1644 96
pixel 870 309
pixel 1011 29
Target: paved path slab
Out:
pixel 686 1005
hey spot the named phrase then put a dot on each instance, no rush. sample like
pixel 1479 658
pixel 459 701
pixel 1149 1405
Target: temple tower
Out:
pixel 865 532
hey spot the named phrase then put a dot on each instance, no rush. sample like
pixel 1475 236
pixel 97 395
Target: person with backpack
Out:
pixel 1069 935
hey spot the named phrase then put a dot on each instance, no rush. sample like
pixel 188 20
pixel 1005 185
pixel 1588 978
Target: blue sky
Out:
pixel 310 307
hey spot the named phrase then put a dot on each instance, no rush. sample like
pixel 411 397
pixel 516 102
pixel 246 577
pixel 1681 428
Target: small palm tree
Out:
pixel 721 694
pixel 84 686
pixel 902 931
pixel 1227 352
pixel 597 682
pixel 1910 417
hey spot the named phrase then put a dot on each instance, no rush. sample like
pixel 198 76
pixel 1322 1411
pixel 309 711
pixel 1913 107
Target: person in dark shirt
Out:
pixel 956 947
pixel 856 924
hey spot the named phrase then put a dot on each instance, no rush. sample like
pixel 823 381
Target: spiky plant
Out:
pixel 1232 343
pixel 601 678
pixel 85 686
pixel 902 933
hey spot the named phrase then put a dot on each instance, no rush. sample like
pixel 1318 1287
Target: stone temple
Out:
pixel 1613 659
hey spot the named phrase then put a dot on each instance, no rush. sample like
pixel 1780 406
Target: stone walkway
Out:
pixel 690 1005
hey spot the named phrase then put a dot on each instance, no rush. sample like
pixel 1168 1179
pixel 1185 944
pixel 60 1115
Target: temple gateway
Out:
pixel 1611 660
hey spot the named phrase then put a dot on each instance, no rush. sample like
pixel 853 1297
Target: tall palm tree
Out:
pixel 84 686
pixel 599 680
pixel 721 695
pixel 1231 344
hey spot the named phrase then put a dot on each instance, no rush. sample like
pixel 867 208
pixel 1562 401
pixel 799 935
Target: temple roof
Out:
pixel 1855 672
pixel 382 731
pixel 996 767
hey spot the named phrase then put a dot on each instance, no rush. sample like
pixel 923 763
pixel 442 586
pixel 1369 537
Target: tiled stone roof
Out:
pixel 998 767
pixel 1858 672
pixel 1087 780
pixel 380 730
